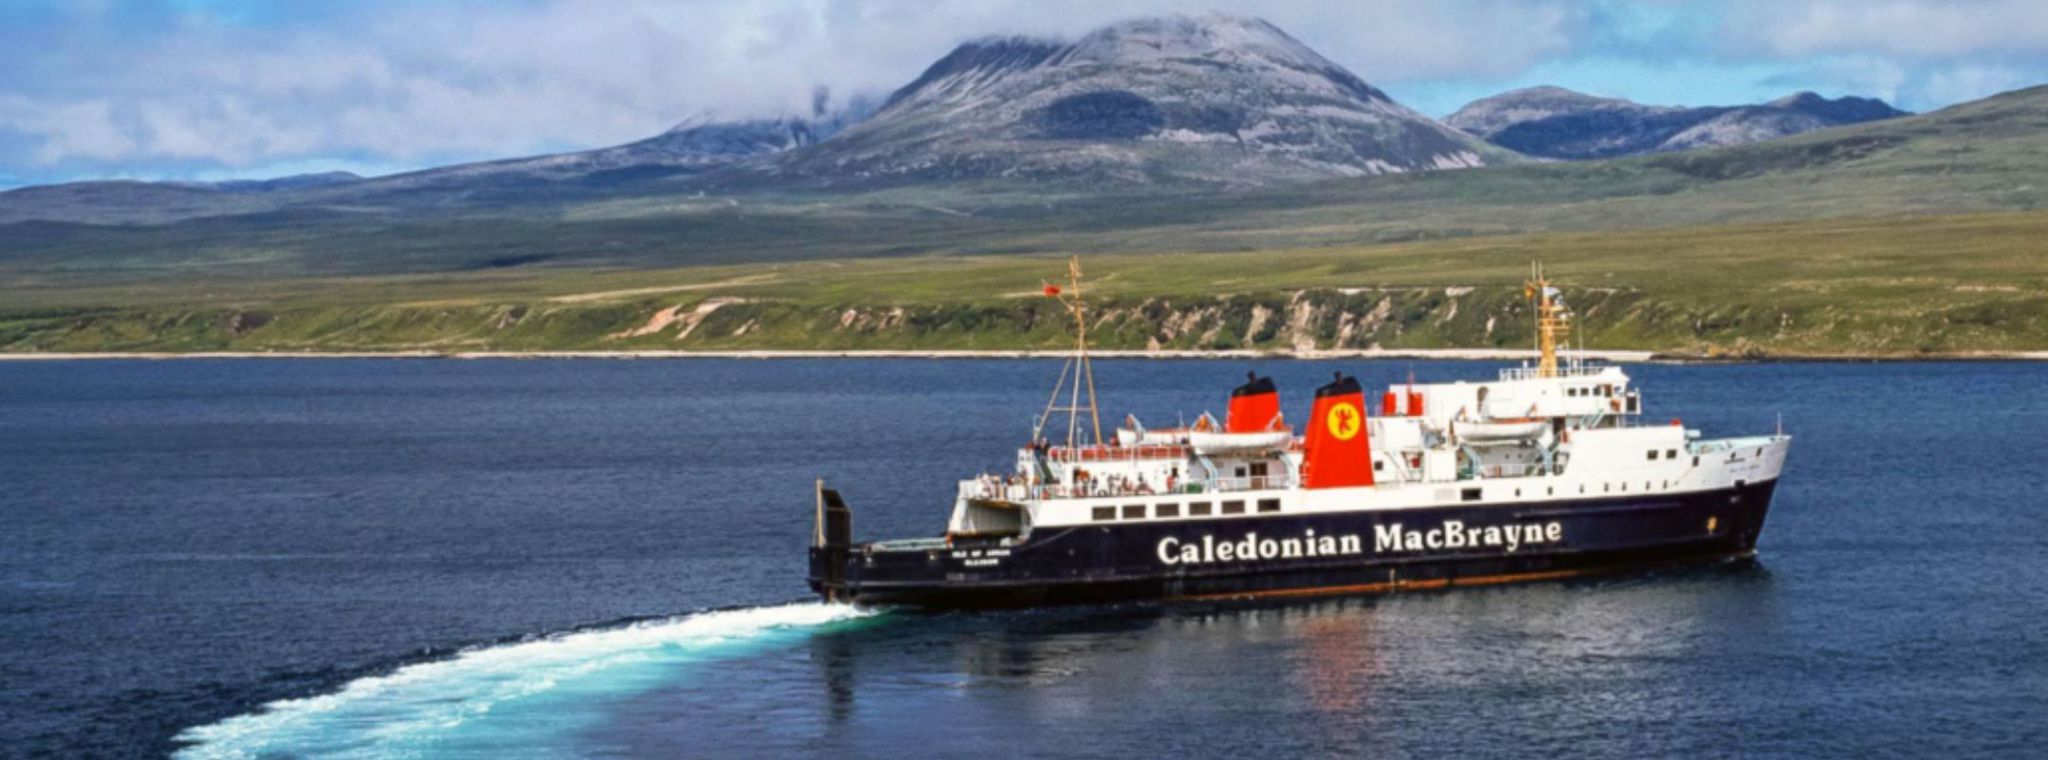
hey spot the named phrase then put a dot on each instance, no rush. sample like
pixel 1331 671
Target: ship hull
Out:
pixel 1355 552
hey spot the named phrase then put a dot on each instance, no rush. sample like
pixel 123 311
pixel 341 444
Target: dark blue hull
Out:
pixel 1276 555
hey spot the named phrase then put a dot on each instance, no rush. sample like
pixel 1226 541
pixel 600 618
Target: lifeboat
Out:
pixel 1206 443
pixel 1498 431
pixel 1133 433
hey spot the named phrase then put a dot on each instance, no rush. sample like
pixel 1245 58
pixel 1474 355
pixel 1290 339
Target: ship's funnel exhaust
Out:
pixel 1338 451
pixel 1254 406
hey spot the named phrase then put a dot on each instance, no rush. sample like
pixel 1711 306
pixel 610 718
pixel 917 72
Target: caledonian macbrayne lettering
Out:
pixel 1453 534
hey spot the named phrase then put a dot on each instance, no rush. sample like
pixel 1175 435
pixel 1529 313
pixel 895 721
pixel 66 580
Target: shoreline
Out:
pixel 1450 354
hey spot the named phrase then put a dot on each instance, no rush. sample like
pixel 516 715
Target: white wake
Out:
pixel 498 695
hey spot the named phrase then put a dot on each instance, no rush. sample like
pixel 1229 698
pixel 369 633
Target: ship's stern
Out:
pixel 831 545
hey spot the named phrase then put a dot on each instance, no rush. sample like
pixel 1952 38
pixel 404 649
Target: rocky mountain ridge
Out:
pixel 1557 123
pixel 1211 99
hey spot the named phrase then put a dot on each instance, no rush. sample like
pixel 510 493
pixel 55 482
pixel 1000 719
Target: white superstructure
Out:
pixel 1545 432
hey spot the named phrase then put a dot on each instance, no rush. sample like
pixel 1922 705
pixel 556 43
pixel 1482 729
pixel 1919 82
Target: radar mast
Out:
pixel 1553 319
pixel 1077 371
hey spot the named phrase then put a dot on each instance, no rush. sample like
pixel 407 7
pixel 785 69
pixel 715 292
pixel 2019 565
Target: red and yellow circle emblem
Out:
pixel 1344 420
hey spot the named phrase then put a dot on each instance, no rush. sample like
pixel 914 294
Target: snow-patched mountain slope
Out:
pixel 1210 98
pixel 698 144
pixel 1553 122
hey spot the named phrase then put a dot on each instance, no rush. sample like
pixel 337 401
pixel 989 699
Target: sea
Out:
pixel 425 558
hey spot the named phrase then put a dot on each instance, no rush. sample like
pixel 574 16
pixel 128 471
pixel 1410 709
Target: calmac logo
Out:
pixel 1344 421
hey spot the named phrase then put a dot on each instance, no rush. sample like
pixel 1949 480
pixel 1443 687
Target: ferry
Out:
pixel 1549 471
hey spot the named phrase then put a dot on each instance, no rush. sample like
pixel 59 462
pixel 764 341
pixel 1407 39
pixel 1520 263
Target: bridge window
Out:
pixel 1105 513
pixel 1671 453
pixel 1233 507
pixel 1199 509
pixel 1653 455
pixel 1134 511
pixel 1269 505
pixel 1166 510
pixel 1470 494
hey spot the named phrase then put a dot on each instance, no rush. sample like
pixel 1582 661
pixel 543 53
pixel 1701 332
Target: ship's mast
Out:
pixel 1082 373
pixel 1553 320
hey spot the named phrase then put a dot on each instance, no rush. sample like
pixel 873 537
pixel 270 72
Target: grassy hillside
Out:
pixel 1983 156
pixel 1909 235
pixel 1893 286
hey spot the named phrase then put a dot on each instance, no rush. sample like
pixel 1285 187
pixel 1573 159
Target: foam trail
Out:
pixel 500 700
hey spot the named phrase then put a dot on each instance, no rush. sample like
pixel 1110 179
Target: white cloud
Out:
pixel 1866 76
pixel 421 83
pixel 1963 82
pixel 1905 28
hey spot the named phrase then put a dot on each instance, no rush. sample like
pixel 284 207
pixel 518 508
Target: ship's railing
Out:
pixel 1227 485
pixel 986 488
pixel 1509 470
pixel 1729 444
pixel 1532 373
pixel 1116 453
pixel 995 487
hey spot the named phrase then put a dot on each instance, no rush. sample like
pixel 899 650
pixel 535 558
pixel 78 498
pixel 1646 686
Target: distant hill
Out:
pixel 694 146
pixel 1986 155
pixel 293 182
pixel 1210 99
pixel 1553 122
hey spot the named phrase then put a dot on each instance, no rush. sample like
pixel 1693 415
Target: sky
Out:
pixel 216 89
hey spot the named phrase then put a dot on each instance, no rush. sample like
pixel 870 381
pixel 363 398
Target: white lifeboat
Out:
pixel 1221 443
pixel 1133 432
pixel 1497 431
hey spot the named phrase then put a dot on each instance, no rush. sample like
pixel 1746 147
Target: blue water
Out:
pixel 604 558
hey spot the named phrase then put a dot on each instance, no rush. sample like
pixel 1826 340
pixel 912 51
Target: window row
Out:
pixel 1173 509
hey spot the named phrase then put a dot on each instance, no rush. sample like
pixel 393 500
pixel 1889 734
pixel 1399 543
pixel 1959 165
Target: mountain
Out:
pixel 292 182
pixel 697 145
pixel 1211 99
pixel 1553 122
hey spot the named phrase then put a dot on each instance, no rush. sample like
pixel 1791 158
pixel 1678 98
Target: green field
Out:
pixel 1896 287
pixel 1910 237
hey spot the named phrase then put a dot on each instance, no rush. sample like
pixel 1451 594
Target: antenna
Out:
pixel 1077 366
pixel 1553 320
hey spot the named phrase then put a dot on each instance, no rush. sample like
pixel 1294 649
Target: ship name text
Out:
pixel 1392 537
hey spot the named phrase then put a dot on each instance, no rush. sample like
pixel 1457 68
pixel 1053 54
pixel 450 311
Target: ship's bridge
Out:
pixel 1590 395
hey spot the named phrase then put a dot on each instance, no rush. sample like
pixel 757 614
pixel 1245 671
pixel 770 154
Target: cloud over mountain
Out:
pixel 151 88
pixel 185 88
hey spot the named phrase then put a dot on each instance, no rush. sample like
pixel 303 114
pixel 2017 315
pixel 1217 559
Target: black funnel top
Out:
pixel 1339 386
